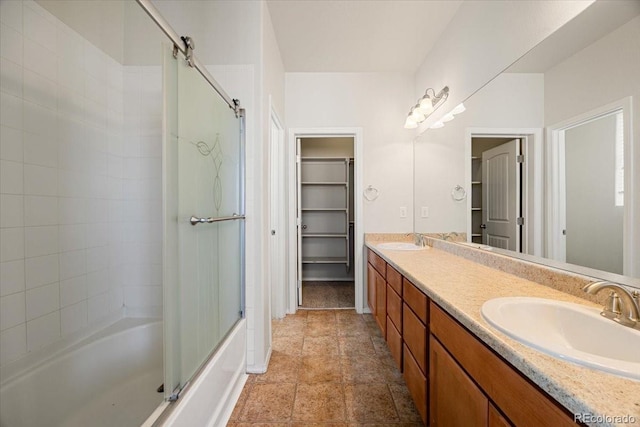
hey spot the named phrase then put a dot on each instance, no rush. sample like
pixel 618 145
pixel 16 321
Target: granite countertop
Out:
pixel 461 286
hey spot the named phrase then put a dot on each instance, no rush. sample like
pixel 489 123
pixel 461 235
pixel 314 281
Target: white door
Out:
pixel 501 196
pixel 277 214
pixel 299 217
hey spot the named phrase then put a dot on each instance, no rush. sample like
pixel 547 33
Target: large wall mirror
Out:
pixel 544 163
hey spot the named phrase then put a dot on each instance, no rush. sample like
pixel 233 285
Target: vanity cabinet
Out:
pixel 465 373
pixel 377 289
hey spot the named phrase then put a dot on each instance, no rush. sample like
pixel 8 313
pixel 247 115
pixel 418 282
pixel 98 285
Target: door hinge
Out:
pixel 520 158
pixel 520 221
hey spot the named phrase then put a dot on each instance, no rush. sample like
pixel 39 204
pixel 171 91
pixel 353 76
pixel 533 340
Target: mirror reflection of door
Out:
pixel 593 192
pixel 501 196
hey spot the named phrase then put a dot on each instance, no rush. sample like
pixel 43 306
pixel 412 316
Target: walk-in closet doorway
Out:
pixel 326 238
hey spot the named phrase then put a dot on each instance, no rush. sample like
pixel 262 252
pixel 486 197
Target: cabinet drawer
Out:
pixel 394 307
pixel 416 383
pixel 520 400
pixel 394 341
pixel 394 279
pixel 414 334
pixel 378 263
pixel 415 299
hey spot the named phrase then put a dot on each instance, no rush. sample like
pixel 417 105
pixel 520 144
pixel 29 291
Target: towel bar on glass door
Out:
pixel 194 220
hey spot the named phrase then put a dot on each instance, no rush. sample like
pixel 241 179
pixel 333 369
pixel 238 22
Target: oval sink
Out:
pixel 568 331
pixel 400 246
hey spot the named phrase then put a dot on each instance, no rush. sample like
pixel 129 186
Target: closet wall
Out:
pixel 327 209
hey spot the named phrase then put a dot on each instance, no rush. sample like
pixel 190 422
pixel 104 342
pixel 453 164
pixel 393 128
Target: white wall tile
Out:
pixel 73 237
pixel 97 258
pixel 40 210
pixel 70 46
pixel 98 235
pixel 40 89
pixel 40 59
pixel 98 307
pixel 97 282
pixel 11 277
pixel 39 119
pixel 41 241
pixel 12 310
pixel 11 111
pixel 73 318
pixel 43 330
pixel 72 211
pixel 73 290
pixel 11 14
pixel 43 300
pixel 72 264
pixel 10 77
pixel 11 244
pixel 11 144
pixel 13 342
pixel 11 177
pixel 117 297
pixel 71 102
pixel 10 44
pixel 39 29
pixel 11 210
pixel 40 180
pixel 40 149
pixel 41 271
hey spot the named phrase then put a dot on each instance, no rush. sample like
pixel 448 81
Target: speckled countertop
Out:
pixel 461 286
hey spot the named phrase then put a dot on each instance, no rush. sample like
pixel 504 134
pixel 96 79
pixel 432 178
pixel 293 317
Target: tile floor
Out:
pixel 328 368
pixel 328 295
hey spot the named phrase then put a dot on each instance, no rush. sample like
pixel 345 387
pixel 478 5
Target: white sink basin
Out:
pixel 400 246
pixel 568 331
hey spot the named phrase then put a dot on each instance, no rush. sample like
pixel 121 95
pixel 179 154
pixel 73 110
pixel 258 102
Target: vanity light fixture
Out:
pixel 437 125
pixel 426 105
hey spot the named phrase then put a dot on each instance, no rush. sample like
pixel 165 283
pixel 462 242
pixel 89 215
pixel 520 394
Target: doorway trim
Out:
pixel 555 137
pixel 533 179
pixel 277 272
pixel 356 134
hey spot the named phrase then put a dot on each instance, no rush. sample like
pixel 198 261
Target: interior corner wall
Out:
pixel 377 103
pixel 482 40
pixel 582 83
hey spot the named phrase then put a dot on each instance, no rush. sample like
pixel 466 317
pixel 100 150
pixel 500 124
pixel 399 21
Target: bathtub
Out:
pixel 109 379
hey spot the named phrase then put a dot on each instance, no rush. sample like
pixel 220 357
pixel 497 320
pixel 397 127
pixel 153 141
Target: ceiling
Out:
pixel 358 36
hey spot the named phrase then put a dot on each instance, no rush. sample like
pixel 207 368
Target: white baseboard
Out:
pixel 260 368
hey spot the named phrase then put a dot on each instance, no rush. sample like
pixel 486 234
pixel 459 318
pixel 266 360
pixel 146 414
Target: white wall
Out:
pixel 509 101
pixel 604 72
pixel 484 38
pixel 376 102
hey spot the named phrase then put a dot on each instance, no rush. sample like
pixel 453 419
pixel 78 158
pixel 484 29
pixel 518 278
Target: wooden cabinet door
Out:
pixel 454 400
pixel 371 288
pixel 381 303
pixel 496 419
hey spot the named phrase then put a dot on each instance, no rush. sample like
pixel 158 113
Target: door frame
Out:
pixel 555 213
pixel 356 134
pixel 277 210
pixel 532 177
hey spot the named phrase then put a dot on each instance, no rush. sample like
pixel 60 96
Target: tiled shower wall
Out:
pixel 78 184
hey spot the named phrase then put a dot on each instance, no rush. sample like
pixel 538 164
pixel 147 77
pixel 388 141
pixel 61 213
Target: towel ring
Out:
pixel 371 193
pixel 458 193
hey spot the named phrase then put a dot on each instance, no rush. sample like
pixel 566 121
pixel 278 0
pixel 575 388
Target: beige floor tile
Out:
pixel 319 402
pixel 320 328
pixel 320 369
pixel 370 402
pixel 269 403
pixel 362 369
pixel 321 316
pixel 237 410
pixel 288 344
pixel 404 403
pixel 283 368
pixel 356 345
pixel 320 346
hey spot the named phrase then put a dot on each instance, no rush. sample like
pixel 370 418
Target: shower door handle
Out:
pixel 194 220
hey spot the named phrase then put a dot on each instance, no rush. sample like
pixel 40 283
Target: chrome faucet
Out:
pixel 622 305
pixel 419 240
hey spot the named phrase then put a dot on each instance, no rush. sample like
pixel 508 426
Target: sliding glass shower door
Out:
pixel 204 222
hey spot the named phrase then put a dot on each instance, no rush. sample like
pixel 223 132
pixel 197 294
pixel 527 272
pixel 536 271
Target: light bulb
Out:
pixel 426 105
pixel 447 118
pixel 459 109
pixel 437 125
pixel 417 115
pixel 410 123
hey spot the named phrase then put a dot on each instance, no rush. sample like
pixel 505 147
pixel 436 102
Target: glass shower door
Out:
pixel 203 168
